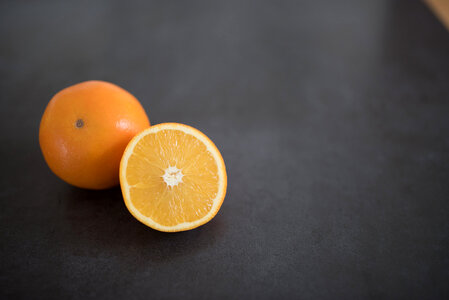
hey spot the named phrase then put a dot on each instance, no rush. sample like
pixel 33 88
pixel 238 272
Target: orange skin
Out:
pixel 85 129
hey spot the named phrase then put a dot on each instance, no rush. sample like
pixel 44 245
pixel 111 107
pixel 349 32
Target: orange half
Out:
pixel 173 177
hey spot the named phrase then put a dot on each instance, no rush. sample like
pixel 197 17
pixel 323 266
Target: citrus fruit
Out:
pixel 173 178
pixel 85 129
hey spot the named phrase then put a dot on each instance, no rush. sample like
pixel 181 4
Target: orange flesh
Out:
pixel 192 198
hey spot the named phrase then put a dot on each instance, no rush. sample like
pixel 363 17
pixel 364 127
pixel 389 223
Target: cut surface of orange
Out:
pixel 173 177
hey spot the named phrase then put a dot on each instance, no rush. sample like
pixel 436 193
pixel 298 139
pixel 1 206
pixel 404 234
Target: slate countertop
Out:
pixel 332 118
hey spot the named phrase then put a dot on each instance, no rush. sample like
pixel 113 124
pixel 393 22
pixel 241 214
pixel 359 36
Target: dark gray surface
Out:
pixel 332 118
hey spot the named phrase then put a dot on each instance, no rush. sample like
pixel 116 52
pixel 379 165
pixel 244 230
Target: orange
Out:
pixel 173 177
pixel 85 129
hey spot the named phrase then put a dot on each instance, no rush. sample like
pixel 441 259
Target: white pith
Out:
pixel 173 176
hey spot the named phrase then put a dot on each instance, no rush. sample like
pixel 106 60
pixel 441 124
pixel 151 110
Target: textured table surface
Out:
pixel 332 118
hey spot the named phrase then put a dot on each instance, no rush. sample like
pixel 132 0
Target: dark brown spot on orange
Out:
pixel 79 123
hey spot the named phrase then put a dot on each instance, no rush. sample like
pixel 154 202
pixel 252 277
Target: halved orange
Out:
pixel 173 177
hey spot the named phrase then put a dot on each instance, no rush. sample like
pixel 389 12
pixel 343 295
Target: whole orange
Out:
pixel 85 129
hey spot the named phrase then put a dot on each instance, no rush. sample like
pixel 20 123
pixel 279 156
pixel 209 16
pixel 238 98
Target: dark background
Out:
pixel 332 118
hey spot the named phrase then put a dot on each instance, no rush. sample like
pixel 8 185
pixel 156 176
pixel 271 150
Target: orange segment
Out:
pixel 173 178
